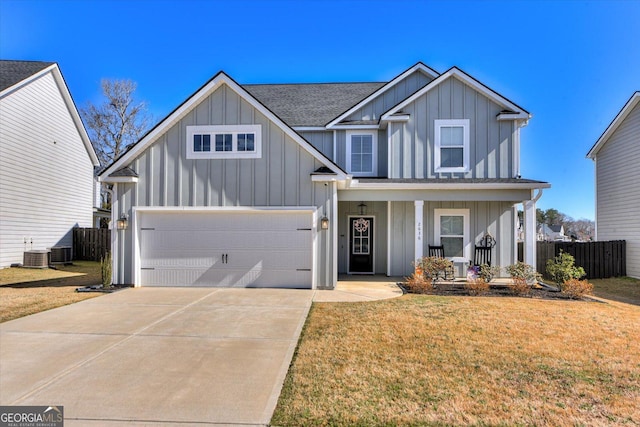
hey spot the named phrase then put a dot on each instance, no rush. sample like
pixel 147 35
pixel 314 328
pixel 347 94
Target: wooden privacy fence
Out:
pixel 599 259
pixel 91 244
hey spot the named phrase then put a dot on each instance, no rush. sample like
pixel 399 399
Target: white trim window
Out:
pixel 451 230
pixel 362 153
pixel 224 142
pixel 451 145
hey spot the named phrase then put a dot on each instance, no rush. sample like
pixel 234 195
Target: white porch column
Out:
pixel 419 246
pixel 529 232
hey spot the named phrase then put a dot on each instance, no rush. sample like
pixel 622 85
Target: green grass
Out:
pixel 623 289
pixel 431 360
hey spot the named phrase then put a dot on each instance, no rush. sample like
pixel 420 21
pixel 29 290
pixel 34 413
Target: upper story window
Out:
pixel 224 142
pixel 362 153
pixel 451 145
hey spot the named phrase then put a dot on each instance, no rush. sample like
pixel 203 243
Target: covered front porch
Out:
pixel 385 231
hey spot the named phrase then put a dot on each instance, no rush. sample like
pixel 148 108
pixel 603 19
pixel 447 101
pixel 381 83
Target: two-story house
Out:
pixel 292 184
pixel 617 198
pixel 46 162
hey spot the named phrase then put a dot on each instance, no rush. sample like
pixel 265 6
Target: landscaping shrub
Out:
pixel 417 283
pixel 434 266
pixel 562 269
pixel 105 268
pixel 520 286
pixel 520 270
pixel 523 277
pixel 488 272
pixel 476 287
pixel 575 288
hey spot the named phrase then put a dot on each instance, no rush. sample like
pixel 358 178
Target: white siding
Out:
pixel 46 175
pixel 618 189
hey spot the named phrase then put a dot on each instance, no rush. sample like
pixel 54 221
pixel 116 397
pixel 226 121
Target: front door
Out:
pixel 361 245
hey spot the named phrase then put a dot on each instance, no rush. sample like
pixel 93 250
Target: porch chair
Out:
pixel 482 255
pixel 438 252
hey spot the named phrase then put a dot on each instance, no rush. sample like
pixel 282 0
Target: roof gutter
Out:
pixel 355 184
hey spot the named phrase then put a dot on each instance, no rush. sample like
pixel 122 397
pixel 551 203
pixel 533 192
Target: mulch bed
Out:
pixel 495 290
pixel 102 289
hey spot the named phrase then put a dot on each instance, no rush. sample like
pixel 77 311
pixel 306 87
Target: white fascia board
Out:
pixel 323 178
pixel 116 179
pixel 220 79
pixel 513 116
pixel 418 66
pixel 308 128
pixel 355 127
pixel 398 118
pixel 465 78
pixel 617 121
pixel 66 96
pixel 355 184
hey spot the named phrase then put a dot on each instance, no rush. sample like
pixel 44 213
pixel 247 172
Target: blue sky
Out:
pixel 572 64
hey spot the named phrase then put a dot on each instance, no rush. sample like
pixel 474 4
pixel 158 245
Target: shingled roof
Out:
pixel 12 72
pixel 314 104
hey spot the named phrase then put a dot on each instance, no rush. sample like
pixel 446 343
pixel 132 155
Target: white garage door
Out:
pixel 227 249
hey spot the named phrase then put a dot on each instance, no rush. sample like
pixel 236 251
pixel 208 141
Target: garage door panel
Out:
pixel 207 240
pixel 226 249
pixel 275 259
pixel 212 220
pixel 226 277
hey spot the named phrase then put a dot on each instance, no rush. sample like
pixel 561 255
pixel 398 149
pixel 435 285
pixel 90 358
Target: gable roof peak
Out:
pixel 615 123
pixel 219 79
pixel 515 112
pixel 13 72
pixel 418 66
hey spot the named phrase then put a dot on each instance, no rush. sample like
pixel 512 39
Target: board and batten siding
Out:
pixel 496 218
pixel 280 178
pixel 491 141
pixel 391 97
pixel 618 189
pixel 46 174
pixel 321 140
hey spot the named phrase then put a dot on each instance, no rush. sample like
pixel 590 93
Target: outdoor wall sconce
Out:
pixel 324 223
pixel 122 223
pixel 363 208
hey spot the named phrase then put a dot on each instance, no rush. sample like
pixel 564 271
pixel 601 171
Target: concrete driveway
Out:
pixel 155 356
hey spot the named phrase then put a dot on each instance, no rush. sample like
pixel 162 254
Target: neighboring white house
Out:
pixel 552 233
pixel 291 184
pixel 616 156
pixel 46 161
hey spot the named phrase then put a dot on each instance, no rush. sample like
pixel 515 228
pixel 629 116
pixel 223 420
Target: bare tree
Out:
pixel 583 229
pixel 119 121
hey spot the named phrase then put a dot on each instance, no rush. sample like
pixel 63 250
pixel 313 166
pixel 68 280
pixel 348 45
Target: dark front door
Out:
pixel 361 244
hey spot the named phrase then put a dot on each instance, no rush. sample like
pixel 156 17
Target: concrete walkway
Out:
pixel 163 356
pixel 361 288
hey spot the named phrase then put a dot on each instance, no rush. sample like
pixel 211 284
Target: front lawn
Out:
pixel 434 360
pixel 623 289
pixel 25 291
